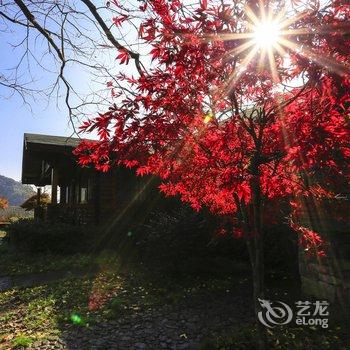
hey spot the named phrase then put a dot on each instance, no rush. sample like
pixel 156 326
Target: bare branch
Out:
pixel 111 37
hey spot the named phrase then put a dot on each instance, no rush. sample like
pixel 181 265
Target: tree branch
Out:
pixel 42 30
pixel 134 55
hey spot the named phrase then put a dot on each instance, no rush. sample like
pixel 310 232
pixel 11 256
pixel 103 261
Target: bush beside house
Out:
pixel 36 236
pixel 178 241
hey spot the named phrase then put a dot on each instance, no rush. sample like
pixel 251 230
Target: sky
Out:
pixel 18 118
pixel 40 115
pixel 47 116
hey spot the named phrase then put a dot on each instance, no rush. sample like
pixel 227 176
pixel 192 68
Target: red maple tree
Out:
pixel 228 121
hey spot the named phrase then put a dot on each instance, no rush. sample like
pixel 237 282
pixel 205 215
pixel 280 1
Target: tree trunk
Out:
pixel 255 249
pixel 258 285
pixel 255 244
pixel 258 266
pixel 253 224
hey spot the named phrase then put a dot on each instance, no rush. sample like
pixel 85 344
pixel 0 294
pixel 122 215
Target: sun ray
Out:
pixel 280 50
pixel 269 16
pixel 262 60
pixel 251 15
pixel 237 50
pixel 271 33
pixel 326 29
pixel 239 70
pixel 272 64
pixel 291 20
pixel 243 47
pixel 299 31
pixel 262 11
pixel 230 36
pixel 278 17
pixel 326 62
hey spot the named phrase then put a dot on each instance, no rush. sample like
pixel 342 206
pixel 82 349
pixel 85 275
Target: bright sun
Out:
pixel 267 34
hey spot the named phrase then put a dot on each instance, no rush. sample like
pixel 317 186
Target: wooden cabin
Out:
pixel 83 195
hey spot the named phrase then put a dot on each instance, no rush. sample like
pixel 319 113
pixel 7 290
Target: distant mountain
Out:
pixel 14 191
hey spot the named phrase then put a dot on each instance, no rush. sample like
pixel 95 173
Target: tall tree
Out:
pixel 244 102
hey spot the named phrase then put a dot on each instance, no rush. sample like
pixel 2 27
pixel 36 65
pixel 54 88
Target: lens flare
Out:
pixel 208 118
pixel 76 319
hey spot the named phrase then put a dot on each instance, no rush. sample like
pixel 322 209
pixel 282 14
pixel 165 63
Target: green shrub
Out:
pixel 21 341
pixel 185 241
pixel 36 236
pixel 174 234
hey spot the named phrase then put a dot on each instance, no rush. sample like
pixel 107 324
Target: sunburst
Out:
pixel 269 34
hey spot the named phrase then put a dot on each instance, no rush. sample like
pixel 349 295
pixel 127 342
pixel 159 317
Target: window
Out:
pixel 85 189
pixel 83 194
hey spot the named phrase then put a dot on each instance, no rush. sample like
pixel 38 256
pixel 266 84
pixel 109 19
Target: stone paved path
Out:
pixel 178 327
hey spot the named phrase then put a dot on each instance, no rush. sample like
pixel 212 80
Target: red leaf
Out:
pixel 156 52
pixel 204 4
pixel 119 20
pixel 144 170
pixel 123 56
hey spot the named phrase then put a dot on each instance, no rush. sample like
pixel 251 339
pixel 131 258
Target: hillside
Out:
pixel 14 191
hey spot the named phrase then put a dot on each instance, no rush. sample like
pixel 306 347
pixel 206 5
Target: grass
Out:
pixel 39 313
pixel 12 263
pixel 44 311
pixel 21 341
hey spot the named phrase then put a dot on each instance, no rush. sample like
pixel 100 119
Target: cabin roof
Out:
pixel 42 152
pixel 51 140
